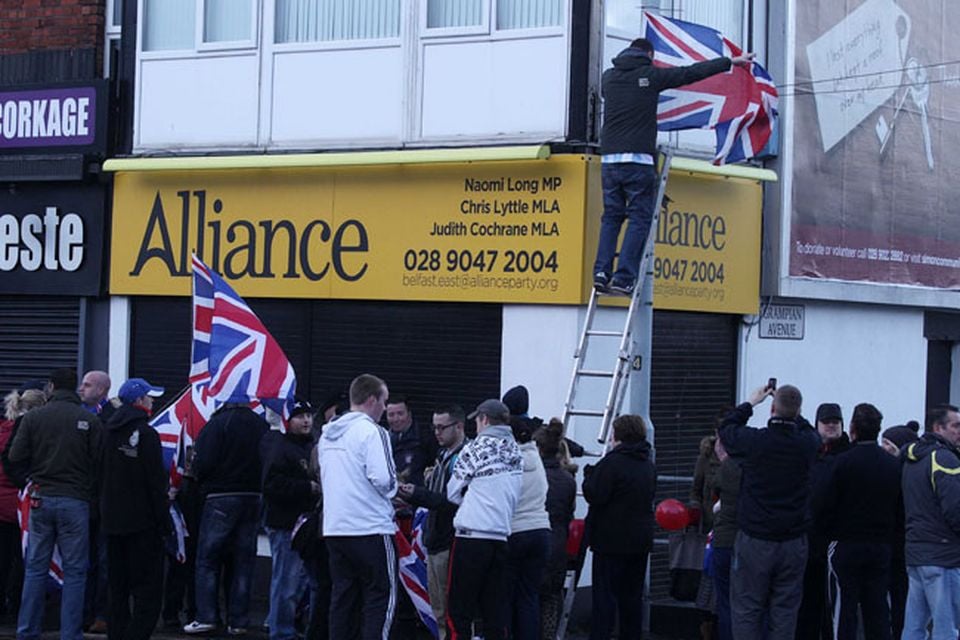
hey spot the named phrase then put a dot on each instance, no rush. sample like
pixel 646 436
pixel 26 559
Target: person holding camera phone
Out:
pixel 770 549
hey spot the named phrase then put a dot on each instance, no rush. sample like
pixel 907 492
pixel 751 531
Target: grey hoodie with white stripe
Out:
pixel 358 477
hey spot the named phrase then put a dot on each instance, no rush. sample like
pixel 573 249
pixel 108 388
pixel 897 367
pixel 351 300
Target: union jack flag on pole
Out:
pixel 234 359
pixel 740 104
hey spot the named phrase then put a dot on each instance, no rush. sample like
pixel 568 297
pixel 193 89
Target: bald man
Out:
pixel 93 392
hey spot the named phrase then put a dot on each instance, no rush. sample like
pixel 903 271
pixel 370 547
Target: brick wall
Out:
pixel 31 25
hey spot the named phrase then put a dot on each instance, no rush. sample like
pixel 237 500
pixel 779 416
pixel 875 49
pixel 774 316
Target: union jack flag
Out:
pixel 740 104
pixel 413 570
pixel 234 359
pixel 55 571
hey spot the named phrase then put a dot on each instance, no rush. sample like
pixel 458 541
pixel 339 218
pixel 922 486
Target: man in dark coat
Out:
pixel 619 491
pixel 628 144
pixel 288 491
pixel 133 512
pixel 770 550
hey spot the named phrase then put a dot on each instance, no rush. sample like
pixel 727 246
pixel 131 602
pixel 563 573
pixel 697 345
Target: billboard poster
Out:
pixel 877 123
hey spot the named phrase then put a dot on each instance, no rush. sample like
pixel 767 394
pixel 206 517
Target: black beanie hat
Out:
pixel 517 400
pixel 900 435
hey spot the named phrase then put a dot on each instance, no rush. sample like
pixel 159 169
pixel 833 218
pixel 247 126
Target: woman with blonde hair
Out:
pixel 16 404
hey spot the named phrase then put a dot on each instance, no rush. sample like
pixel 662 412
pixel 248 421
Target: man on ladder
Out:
pixel 628 145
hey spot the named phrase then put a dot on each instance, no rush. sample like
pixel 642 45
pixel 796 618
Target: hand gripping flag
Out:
pixel 739 105
pixel 55 571
pixel 412 559
pixel 234 359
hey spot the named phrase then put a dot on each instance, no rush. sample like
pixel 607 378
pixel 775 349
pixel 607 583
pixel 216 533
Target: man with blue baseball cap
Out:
pixel 133 511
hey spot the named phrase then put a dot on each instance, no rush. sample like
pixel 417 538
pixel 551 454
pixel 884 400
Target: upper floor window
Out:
pixel 726 16
pixel 511 14
pixel 331 20
pixel 170 25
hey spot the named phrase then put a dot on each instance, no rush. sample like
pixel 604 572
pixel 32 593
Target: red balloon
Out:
pixel 672 515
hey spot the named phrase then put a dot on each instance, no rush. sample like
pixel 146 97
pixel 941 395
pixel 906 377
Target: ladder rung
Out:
pixel 593 373
pixel 585 412
pixel 598 332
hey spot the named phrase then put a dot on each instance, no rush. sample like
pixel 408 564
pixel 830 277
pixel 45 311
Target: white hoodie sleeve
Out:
pixel 462 474
pixel 378 462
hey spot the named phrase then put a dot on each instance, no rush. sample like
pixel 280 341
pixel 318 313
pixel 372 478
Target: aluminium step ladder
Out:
pixel 617 377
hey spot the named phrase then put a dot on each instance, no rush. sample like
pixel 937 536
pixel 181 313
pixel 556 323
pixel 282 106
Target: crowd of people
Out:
pixel 814 528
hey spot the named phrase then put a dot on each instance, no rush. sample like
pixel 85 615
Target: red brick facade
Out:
pixel 32 25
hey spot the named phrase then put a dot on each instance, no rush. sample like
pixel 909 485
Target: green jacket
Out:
pixel 61 441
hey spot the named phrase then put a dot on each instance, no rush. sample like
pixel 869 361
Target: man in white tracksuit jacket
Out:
pixel 359 481
pixel 486 483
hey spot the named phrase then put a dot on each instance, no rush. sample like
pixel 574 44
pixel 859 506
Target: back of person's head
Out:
pixel 16 404
pixel 364 386
pixel 64 378
pixel 524 428
pixel 866 422
pixel 939 415
pixel 629 429
pixel 787 402
pixel 643 45
pixel 548 438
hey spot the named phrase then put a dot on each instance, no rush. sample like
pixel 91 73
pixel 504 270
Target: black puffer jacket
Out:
pixel 287 491
pixel 931 495
pixel 227 453
pixel 631 90
pixel 561 496
pixel 133 481
pixel 620 491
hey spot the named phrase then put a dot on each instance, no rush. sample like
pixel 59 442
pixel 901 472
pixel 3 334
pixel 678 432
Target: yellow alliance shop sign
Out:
pixel 480 232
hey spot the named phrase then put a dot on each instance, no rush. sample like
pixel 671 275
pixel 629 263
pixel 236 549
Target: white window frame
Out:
pixel 200 48
pixel 251 42
pixel 111 33
pixel 271 44
pixel 483 29
pixel 528 32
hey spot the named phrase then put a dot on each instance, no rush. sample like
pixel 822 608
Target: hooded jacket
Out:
pixel 133 482
pixel 772 504
pixel 631 90
pixel 358 477
pixel 486 483
pixel 61 442
pixel 531 511
pixel 227 453
pixel 620 491
pixel 931 496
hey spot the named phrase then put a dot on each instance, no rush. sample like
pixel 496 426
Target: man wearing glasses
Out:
pixel 448 425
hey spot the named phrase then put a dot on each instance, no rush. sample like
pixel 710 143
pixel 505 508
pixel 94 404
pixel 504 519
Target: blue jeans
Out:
pixel 64 522
pixel 629 190
pixel 228 527
pixel 721 578
pixel 934 593
pixel 527 553
pixel 287 584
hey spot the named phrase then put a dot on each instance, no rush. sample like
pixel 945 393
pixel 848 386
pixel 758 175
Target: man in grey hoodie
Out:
pixel 491 466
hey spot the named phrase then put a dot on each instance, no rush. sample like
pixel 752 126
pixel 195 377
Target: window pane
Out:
pixel 324 20
pixel 454 13
pixel 168 24
pixel 116 18
pixel 726 16
pixel 528 14
pixel 227 20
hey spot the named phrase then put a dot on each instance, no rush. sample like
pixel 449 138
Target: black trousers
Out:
pixel 363 573
pixel 11 567
pixel 618 589
pixel 863 571
pixel 814 621
pixel 135 564
pixel 477 588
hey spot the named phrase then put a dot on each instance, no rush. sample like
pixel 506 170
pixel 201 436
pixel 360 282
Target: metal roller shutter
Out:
pixel 693 378
pixel 37 335
pixel 431 352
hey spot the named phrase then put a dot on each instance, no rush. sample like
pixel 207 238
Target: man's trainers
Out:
pixel 196 627
pixel 621 288
pixel 601 282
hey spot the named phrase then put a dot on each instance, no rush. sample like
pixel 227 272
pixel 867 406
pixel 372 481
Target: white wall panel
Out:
pixel 198 102
pixel 352 94
pixel 490 88
pixel 850 354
